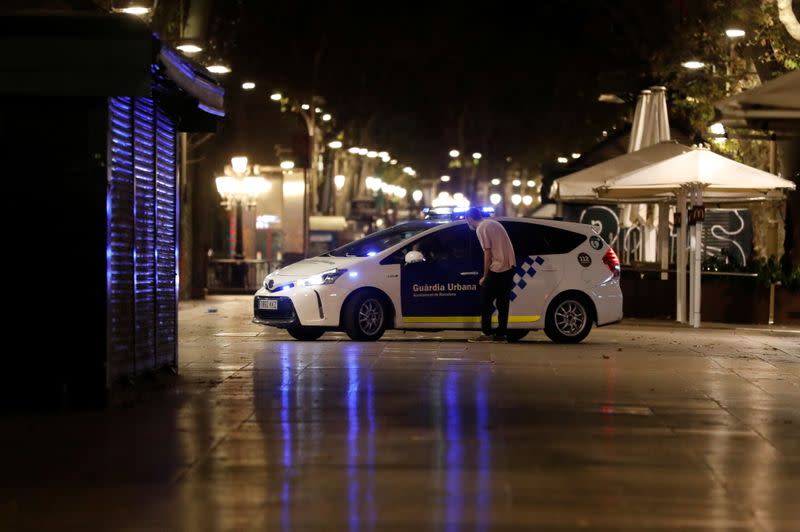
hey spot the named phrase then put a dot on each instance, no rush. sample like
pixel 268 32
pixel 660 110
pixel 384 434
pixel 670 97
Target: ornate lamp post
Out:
pixel 240 186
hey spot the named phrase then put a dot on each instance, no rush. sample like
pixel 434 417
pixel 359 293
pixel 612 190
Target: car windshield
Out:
pixel 382 240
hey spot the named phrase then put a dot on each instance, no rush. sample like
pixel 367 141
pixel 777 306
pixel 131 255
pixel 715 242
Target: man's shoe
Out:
pixel 481 339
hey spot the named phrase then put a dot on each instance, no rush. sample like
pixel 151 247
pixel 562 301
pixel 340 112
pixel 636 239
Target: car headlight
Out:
pixel 327 277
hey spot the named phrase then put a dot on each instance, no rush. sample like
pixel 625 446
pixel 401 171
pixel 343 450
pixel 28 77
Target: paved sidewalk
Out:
pixel 644 426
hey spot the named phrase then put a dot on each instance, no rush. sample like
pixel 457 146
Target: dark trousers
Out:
pixel 496 291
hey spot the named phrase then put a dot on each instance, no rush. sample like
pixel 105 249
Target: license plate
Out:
pixel 268 304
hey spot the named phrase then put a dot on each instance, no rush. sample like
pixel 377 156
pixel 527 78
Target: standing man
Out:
pixel 498 274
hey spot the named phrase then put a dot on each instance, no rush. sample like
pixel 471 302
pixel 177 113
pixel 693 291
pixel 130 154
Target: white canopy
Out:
pixel 581 185
pixel 715 174
pixel 771 105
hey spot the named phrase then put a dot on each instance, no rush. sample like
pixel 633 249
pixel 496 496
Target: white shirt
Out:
pixel 493 236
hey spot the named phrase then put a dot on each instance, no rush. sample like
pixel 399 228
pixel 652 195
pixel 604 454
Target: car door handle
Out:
pixel 469 273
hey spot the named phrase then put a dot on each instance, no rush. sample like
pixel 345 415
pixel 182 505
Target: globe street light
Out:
pixel 238 189
pixel 276 96
pixel 339 181
pixel 416 196
pixel 734 33
pixel 454 153
pixel 495 198
pixel 495 181
pixel 516 199
pixel 445 178
pixel 248 85
pixel 527 200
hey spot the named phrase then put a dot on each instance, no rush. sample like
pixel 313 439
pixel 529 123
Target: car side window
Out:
pixel 535 239
pixel 452 244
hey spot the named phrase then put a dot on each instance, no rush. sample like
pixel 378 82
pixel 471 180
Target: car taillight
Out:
pixel 610 259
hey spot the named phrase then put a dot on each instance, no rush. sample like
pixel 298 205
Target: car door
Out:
pixel 442 291
pixel 538 273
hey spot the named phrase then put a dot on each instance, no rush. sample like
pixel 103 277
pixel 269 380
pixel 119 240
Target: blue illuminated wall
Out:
pixel 141 248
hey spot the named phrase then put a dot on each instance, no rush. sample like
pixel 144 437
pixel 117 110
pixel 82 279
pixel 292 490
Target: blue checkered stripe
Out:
pixel 524 270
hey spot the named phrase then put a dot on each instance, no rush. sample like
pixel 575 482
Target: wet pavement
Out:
pixel 644 426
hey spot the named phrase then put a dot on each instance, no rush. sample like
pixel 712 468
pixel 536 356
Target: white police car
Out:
pixel 424 275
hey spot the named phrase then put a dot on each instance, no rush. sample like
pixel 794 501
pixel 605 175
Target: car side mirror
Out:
pixel 414 256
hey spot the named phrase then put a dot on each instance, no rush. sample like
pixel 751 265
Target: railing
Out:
pixel 237 276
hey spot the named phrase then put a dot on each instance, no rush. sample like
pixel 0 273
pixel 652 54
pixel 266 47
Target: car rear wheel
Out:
pixel 569 319
pixel 306 334
pixel 365 317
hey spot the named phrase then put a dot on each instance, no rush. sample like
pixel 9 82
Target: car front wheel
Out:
pixel 365 317
pixel 568 320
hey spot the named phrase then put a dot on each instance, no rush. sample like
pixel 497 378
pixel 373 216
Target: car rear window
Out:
pixel 534 239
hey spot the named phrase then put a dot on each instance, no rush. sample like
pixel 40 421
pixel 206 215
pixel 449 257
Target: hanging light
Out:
pixel 516 199
pixel 445 178
pixel 517 183
pixel 477 155
pixel 693 65
pixel 454 153
pixel 287 165
pixel 339 181
pixel 248 85
pixel 218 68
pixel 335 144
pixel 527 200
pixel 563 160
pixel 495 181
pixel 734 33
pixel 531 183
pixel 276 96
pixel 416 195
pixel 189 48
pixel 495 199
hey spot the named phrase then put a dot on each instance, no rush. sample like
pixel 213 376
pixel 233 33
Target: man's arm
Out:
pixel 487 262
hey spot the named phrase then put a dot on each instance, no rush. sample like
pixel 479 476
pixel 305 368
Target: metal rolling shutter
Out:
pixel 119 246
pixel 142 238
pixel 166 241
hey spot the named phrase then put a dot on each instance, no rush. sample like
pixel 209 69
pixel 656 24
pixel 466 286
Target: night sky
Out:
pixel 522 78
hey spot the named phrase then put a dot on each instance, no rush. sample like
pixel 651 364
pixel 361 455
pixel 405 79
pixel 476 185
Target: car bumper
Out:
pixel 608 303
pixel 317 306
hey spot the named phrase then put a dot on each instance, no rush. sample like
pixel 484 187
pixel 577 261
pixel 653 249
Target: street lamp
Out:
pixel 248 85
pixel 133 8
pixel 218 68
pixel 335 144
pixel 527 200
pixel 454 153
pixel 326 117
pixel 416 196
pixel 516 199
pixel 516 183
pixel 339 181
pixel 276 96
pixel 238 189
pixel 495 198
pixel 477 155
pixel 693 65
pixel 354 150
pixel 189 48
pixel 734 33
pixel 287 165
pixel 445 178
pixel 576 155
pixel 563 160
pixel 495 182
pixel 531 183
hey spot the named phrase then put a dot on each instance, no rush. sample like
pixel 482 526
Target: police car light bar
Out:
pixel 453 212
